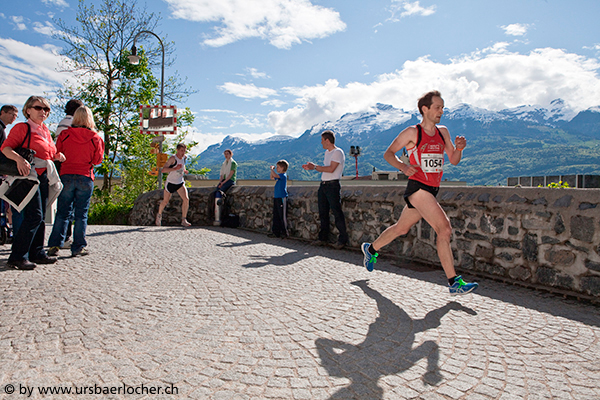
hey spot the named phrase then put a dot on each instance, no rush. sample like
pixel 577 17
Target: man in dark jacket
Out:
pixel 8 115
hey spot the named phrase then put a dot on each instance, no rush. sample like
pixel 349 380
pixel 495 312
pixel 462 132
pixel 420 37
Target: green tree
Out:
pixel 96 51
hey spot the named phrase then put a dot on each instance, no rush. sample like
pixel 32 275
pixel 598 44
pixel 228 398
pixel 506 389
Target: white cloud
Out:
pixel 59 3
pixel 594 47
pixel 282 22
pixel 273 103
pixel 256 74
pixel 206 139
pixel 484 79
pixel 405 8
pixel 27 70
pixel 18 22
pixel 515 29
pixel 45 29
pixel 249 91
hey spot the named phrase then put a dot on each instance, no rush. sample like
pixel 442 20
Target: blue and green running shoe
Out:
pixel 462 287
pixel 370 259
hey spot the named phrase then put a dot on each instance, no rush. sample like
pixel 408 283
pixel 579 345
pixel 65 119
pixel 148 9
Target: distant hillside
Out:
pixel 521 141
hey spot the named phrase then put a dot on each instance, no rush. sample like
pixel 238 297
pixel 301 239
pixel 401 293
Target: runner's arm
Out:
pixel 454 153
pixel 408 137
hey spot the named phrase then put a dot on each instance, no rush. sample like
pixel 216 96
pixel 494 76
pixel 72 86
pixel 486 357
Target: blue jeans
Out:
pixel 74 199
pixel 224 188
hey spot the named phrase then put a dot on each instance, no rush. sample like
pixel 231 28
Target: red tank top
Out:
pixel 429 155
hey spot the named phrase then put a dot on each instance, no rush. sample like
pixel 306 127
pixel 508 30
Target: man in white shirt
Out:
pixel 330 191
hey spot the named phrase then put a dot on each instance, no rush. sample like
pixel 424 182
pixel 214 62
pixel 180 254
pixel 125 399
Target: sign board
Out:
pixel 159 120
pixel 161 159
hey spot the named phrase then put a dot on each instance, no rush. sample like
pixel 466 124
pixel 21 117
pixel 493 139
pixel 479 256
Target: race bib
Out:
pixel 432 162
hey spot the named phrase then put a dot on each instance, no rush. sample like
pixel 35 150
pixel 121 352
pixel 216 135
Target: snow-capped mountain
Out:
pixel 537 137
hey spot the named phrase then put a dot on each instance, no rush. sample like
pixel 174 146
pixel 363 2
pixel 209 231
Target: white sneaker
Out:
pixel 158 219
pixel 185 223
pixel 67 244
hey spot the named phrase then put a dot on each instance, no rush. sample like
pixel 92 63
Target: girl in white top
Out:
pixel 175 183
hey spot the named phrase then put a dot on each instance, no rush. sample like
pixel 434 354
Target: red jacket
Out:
pixel 83 148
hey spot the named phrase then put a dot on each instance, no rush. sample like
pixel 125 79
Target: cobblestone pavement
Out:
pixel 210 313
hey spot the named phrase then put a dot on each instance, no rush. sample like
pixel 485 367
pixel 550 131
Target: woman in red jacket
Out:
pixel 29 239
pixel 83 148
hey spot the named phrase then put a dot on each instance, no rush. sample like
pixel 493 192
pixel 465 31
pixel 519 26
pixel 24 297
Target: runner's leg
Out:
pixel 428 207
pixel 185 201
pixel 166 198
pixel 408 218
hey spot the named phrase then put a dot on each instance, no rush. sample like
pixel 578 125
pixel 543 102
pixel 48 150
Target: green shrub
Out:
pixel 109 214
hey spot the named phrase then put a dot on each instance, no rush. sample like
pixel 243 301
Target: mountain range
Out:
pixel 520 141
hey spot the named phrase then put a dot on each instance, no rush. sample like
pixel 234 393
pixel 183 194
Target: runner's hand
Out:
pixel 460 142
pixel 410 170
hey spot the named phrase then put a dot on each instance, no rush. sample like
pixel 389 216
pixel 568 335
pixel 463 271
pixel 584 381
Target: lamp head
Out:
pixel 134 59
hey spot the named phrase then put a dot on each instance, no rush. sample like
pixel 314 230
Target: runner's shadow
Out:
pixel 284 260
pixel 386 350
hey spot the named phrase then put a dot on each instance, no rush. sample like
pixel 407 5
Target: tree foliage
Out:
pixel 96 51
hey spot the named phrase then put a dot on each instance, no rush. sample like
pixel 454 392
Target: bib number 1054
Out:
pixel 431 163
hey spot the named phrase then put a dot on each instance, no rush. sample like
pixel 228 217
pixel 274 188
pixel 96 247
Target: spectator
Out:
pixel 83 148
pixel 8 115
pixel 227 177
pixel 330 190
pixel 280 196
pixel 70 108
pixel 28 243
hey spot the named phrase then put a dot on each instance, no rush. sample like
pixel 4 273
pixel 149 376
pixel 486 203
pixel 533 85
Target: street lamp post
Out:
pixel 135 59
pixel 355 152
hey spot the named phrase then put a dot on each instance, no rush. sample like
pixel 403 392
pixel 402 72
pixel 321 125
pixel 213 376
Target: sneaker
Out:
pixel 462 287
pixel 53 251
pixel 370 259
pixel 158 219
pixel 67 244
pixel 185 223
pixel 80 253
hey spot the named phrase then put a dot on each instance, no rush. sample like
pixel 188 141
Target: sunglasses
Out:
pixel 40 108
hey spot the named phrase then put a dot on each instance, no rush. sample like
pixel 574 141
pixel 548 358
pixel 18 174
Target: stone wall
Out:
pixel 533 236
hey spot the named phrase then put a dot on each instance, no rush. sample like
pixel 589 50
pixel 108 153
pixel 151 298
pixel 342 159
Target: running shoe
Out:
pixel 462 287
pixel 53 251
pixel 158 219
pixel 370 259
pixel 185 223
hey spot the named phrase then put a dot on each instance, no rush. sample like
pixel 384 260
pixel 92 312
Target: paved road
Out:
pixel 229 314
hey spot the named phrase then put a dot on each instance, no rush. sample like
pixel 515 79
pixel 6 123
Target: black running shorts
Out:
pixel 414 186
pixel 173 187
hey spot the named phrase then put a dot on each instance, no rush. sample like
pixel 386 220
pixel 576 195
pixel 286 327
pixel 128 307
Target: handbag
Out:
pixel 8 166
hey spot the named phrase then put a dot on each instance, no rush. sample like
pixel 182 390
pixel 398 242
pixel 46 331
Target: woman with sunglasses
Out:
pixel 28 241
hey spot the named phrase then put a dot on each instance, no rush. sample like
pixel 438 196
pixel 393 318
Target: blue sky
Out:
pixel 266 67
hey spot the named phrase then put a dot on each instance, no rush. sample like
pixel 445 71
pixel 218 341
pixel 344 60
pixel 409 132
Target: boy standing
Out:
pixel 280 199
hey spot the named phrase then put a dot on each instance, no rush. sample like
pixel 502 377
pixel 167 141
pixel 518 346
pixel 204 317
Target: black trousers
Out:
pixel 280 217
pixel 330 198
pixel 28 241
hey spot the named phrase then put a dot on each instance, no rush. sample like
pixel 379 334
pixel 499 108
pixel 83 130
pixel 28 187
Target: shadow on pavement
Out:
pixel 386 350
pixel 530 298
pixel 283 260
